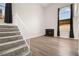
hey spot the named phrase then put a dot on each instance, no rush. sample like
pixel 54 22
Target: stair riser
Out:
pixel 17 52
pixel 10 39
pixel 9 34
pixel 8 30
pixel 8 46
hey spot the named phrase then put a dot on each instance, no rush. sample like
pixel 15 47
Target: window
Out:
pixel 64 21
pixel 2 10
pixel 64 13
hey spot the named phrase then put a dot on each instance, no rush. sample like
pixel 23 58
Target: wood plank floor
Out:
pixel 49 46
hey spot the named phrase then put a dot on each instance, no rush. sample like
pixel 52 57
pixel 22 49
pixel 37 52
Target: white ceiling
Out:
pixel 46 4
pixel 49 4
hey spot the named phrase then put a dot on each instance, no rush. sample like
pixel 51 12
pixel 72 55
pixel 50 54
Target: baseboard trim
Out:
pixel 67 38
pixel 34 36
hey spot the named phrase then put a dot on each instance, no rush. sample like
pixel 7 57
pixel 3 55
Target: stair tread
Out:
pixel 9 36
pixel 10 42
pixel 8 28
pixel 25 53
pixel 3 34
pixel 13 49
pixel 7 24
pixel 11 25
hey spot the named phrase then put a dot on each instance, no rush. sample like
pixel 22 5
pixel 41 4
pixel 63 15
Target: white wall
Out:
pixel 36 18
pixel 76 21
pixel 32 17
pixel 51 18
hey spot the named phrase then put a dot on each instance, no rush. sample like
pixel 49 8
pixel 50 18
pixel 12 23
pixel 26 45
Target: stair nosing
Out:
pixel 8 28
pixel 2 44
pixel 11 32
pixel 13 49
pixel 11 29
pixel 9 36
pixel 8 25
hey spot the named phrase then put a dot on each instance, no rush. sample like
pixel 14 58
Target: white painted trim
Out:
pixel 35 36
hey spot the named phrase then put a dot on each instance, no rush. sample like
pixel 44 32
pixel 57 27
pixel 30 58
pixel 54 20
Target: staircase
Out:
pixel 11 42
